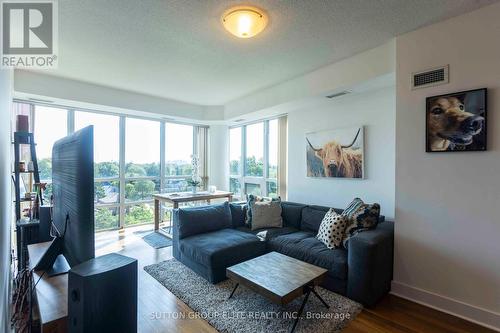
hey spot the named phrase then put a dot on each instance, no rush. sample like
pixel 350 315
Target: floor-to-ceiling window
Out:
pixel 178 151
pixel 106 166
pixel 133 158
pixel 142 169
pixel 253 159
pixel 235 161
pixel 272 158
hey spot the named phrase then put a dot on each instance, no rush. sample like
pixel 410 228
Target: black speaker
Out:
pixel 44 226
pixel 102 295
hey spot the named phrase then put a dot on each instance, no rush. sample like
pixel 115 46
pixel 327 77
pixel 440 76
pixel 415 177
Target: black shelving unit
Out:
pixel 26 230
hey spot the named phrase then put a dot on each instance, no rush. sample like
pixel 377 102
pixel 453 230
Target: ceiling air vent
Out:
pixel 342 93
pixel 430 77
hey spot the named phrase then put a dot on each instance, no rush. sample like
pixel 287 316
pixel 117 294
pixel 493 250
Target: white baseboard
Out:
pixel 454 307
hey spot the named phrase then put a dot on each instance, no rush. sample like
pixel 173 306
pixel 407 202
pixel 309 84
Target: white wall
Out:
pixel 447 204
pixel 5 198
pixel 76 93
pixel 341 75
pixel 376 111
pixel 218 171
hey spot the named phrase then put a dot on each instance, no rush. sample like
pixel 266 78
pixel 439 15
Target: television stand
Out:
pixel 52 261
pixel 51 293
pixel 60 266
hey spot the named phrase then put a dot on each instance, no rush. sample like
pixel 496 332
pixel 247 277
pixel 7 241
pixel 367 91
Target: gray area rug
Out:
pixel 247 311
pixel 157 240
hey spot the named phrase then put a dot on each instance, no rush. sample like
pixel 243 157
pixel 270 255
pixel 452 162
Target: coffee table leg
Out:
pixel 235 287
pixel 300 310
pixel 319 297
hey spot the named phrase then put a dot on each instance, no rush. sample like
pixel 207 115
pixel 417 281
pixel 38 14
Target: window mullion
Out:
pixel 70 118
pixel 162 156
pixel 195 142
pixel 243 160
pixel 122 171
pixel 266 159
pixel 32 117
pixel 162 165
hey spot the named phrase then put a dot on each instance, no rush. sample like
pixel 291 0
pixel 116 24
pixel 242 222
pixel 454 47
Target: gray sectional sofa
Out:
pixel 211 238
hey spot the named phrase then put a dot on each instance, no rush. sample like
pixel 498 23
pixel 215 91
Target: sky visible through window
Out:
pixel 255 141
pixel 50 126
pixel 273 148
pixel 142 141
pixel 106 134
pixel 178 142
pixel 142 136
pixel 234 150
pixel 254 159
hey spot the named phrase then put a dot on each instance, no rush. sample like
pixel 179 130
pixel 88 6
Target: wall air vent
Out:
pixel 239 120
pixel 342 93
pixel 430 77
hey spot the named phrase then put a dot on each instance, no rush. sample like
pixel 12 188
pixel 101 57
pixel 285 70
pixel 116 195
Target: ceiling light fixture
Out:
pixel 244 21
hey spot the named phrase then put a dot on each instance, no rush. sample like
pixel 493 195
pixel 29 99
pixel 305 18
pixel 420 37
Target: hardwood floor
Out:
pixel 395 314
pixel 156 303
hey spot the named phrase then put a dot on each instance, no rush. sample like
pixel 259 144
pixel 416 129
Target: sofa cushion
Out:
pixel 198 220
pixel 304 246
pixel 313 215
pixel 282 241
pixel 291 214
pixel 222 248
pixel 311 219
pixel 238 213
pixel 267 234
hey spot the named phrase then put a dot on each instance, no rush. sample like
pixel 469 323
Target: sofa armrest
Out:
pixel 370 264
pixel 175 234
pixel 188 222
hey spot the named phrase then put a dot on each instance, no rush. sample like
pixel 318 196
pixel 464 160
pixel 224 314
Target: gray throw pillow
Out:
pixel 266 214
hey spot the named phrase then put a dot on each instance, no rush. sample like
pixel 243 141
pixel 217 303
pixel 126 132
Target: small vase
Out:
pixel 194 189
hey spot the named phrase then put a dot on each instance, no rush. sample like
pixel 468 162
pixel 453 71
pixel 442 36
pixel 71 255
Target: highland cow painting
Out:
pixel 336 153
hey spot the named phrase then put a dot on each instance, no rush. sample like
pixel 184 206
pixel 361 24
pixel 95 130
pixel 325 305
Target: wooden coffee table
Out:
pixel 279 278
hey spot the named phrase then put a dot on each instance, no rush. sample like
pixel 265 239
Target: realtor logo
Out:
pixel 29 33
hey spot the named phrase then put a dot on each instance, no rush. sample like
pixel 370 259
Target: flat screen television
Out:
pixel 73 203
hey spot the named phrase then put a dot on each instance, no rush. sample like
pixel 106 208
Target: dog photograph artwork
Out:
pixel 336 153
pixel 456 122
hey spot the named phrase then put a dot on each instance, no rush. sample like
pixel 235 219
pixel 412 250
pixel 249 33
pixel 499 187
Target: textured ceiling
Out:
pixel 179 50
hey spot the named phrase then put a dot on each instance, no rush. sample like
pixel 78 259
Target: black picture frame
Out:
pixel 479 143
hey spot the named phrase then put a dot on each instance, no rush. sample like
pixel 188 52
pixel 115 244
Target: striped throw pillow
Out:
pixel 360 216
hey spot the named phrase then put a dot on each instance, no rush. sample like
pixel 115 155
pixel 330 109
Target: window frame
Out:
pixel 257 180
pixel 122 204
